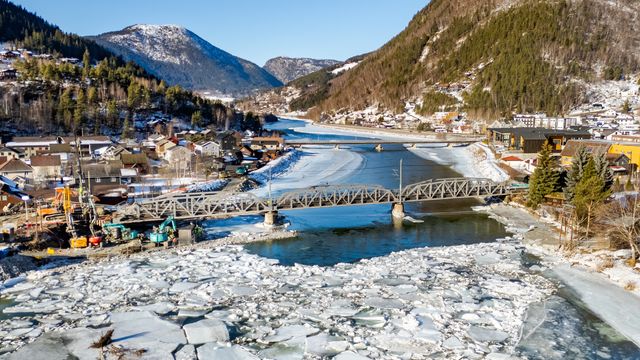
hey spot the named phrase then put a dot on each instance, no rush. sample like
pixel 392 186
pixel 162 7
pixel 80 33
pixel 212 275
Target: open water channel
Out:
pixel 559 328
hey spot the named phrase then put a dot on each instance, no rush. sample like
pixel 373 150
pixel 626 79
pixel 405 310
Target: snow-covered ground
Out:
pixel 312 166
pixel 226 302
pixel 598 278
pixel 475 160
pixel 345 67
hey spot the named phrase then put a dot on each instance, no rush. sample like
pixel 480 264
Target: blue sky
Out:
pixel 252 29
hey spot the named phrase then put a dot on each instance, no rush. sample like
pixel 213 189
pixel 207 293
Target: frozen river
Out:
pixel 353 285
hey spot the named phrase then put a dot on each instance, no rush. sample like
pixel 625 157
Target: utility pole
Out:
pixel 400 189
pixel 270 198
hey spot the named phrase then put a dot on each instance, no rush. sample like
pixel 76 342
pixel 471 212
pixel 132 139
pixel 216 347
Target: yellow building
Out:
pixel 631 150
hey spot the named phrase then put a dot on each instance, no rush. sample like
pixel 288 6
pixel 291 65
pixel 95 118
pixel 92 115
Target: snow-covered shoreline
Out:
pixel 474 161
pixel 600 288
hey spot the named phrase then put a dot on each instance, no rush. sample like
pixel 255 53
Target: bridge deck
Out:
pixel 379 142
pixel 212 205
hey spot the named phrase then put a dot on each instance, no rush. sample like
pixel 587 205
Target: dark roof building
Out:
pixel 530 140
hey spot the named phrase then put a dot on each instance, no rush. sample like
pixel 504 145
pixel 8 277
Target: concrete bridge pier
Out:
pixel 398 211
pixel 271 218
pixel 379 148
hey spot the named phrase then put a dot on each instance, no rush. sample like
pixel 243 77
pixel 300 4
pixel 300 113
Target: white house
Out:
pixel 205 147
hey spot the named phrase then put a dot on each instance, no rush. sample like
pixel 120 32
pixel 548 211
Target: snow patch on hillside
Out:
pixel 345 67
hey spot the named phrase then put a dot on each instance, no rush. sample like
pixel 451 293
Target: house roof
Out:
pixel 531 133
pixel 15 165
pixel 101 170
pixel 45 160
pixel 178 148
pixel 7 149
pixel 268 139
pixel 60 148
pixel 132 159
pixel 592 146
pixel 128 172
pixel 511 158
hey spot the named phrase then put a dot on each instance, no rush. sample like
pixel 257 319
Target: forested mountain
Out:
pixel 287 69
pixel 509 55
pixel 27 30
pixel 181 57
pixel 101 94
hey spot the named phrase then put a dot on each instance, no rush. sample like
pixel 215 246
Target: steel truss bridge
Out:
pixel 214 205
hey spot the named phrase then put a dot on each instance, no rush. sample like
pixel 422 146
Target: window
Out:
pixel 4 197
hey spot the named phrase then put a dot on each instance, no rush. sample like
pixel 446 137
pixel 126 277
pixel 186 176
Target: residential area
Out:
pixel 34 169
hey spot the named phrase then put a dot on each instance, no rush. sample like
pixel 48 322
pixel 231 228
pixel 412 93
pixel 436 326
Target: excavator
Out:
pixel 166 231
pixel 116 232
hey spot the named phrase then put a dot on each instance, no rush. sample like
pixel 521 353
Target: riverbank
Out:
pixel 382 132
pixel 601 278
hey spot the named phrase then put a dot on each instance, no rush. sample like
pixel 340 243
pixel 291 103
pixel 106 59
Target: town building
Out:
pixel 46 168
pixel 267 143
pixel 15 168
pixel 530 140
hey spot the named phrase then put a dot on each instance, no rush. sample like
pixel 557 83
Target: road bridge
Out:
pixel 379 143
pixel 214 205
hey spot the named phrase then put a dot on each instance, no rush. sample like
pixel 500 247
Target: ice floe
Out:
pixel 463 301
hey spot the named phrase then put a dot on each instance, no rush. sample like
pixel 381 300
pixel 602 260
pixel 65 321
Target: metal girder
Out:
pixel 212 204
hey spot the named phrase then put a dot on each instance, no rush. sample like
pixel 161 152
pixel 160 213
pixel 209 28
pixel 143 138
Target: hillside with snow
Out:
pixel 180 57
pixel 287 69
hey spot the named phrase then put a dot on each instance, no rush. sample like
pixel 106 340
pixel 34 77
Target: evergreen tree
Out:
pixel 133 93
pixel 112 114
pixel 196 119
pixel 65 106
pixel 125 127
pixel 590 192
pixel 544 180
pixel 575 173
pixel 86 64
pixel 602 169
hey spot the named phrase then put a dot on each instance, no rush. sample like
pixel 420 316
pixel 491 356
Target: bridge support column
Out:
pixel 379 148
pixel 271 218
pixel 398 211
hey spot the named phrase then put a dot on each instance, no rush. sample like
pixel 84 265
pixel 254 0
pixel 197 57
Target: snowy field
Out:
pixel 226 303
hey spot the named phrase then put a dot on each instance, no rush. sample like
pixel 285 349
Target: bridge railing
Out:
pixel 211 204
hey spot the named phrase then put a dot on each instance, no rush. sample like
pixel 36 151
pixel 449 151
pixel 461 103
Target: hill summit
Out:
pixel 180 57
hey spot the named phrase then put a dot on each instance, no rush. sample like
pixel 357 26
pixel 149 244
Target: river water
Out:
pixel 560 328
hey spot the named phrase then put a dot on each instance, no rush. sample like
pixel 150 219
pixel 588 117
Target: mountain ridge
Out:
pixel 287 69
pixel 181 57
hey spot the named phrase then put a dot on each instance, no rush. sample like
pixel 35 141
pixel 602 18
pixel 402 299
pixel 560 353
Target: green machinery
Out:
pixel 163 232
pixel 119 232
